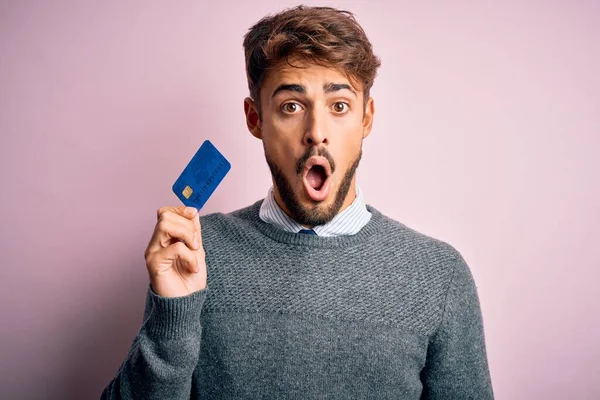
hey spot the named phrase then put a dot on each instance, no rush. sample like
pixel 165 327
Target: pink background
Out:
pixel 487 135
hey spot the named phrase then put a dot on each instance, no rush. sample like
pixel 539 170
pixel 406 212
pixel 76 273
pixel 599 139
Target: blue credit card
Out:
pixel 201 177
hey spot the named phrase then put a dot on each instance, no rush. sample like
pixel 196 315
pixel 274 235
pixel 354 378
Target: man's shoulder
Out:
pixel 400 237
pixel 426 267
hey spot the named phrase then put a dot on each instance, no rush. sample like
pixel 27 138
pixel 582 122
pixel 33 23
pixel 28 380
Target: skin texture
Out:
pixel 306 110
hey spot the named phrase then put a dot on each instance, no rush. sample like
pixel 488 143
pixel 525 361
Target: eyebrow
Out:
pixel 327 88
pixel 334 87
pixel 289 88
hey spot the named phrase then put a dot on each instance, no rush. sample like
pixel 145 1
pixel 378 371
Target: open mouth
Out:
pixel 316 178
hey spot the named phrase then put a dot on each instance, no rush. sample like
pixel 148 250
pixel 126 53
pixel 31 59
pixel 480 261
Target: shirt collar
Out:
pixel 348 222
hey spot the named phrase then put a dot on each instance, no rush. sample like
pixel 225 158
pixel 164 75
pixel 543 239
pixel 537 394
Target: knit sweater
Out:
pixel 388 313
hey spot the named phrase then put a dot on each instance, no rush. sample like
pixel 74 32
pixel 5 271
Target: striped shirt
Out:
pixel 348 222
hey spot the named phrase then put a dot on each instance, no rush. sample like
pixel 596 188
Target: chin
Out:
pixel 310 212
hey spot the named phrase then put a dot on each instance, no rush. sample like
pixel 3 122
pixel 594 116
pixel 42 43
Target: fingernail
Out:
pixel 196 241
pixel 189 211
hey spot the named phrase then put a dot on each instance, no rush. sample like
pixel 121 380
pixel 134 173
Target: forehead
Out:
pixel 312 76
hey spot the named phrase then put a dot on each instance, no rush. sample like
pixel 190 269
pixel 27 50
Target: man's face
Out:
pixel 312 125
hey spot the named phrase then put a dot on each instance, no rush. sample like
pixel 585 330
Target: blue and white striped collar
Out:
pixel 348 222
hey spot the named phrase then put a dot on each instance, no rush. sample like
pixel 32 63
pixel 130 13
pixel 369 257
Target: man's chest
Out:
pixel 250 354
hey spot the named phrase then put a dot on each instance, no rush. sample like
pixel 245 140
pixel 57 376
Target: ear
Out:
pixel 252 118
pixel 368 117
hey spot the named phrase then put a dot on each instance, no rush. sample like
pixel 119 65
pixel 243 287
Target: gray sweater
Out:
pixel 388 313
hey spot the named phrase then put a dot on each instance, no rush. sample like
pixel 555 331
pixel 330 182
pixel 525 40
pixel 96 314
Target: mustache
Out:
pixel 311 152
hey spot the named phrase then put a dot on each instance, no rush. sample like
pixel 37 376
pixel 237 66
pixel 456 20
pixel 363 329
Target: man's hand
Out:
pixel 175 257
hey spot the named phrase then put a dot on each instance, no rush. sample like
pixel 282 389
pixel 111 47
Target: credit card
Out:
pixel 201 177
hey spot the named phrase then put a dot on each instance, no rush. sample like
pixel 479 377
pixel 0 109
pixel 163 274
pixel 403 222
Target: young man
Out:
pixel 310 292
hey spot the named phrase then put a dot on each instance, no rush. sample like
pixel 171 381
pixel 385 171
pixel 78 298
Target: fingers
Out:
pixel 176 223
pixel 194 215
pixel 190 213
pixel 177 253
pixel 197 226
pixel 187 212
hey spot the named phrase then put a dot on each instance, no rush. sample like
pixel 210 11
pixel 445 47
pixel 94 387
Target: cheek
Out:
pixel 283 139
pixel 287 130
pixel 348 146
pixel 280 153
pixel 348 130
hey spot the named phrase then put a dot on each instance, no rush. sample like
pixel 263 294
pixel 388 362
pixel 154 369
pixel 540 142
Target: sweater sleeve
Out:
pixel 165 352
pixel 456 365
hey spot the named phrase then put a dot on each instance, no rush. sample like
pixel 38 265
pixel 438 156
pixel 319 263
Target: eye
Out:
pixel 341 107
pixel 291 108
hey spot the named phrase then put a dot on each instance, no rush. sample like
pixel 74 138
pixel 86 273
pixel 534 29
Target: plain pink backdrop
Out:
pixel 487 135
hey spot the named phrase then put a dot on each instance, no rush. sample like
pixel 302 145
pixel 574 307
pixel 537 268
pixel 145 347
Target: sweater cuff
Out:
pixel 175 317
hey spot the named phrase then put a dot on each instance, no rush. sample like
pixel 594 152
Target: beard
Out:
pixel 316 214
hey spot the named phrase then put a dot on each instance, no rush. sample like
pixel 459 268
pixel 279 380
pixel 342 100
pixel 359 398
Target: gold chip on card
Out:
pixel 187 192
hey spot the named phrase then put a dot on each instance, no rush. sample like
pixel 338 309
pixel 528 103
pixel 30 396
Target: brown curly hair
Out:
pixel 321 35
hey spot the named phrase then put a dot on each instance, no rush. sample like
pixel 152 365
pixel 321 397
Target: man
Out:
pixel 308 293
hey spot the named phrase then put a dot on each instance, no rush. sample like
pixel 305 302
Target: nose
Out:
pixel 316 129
